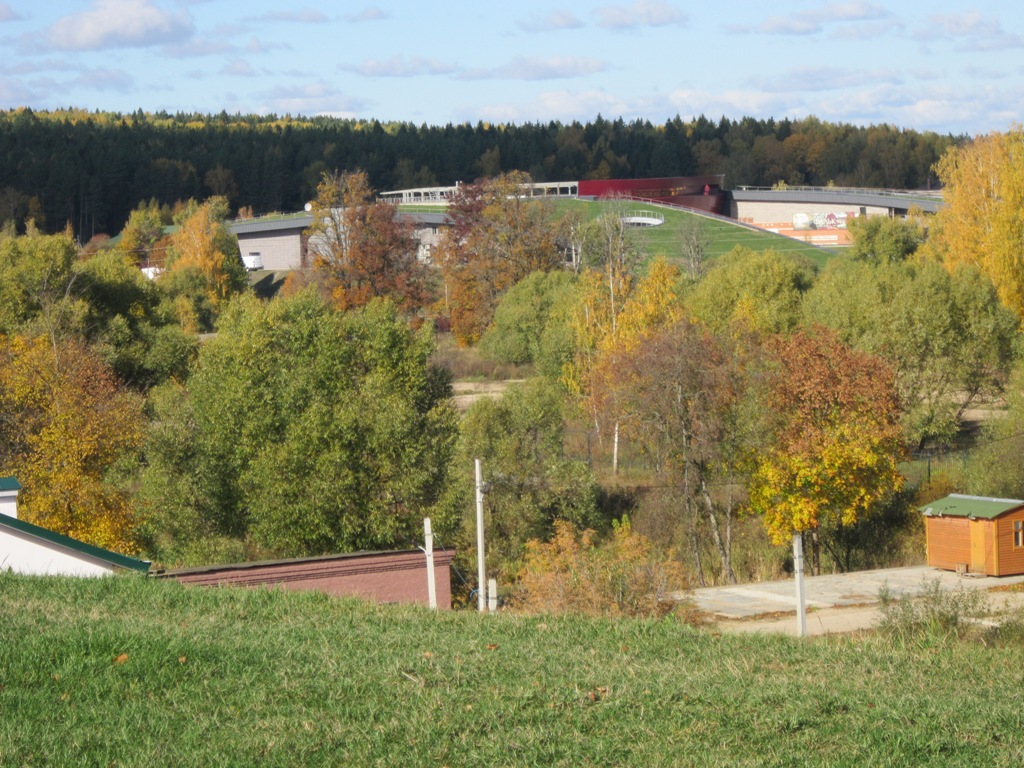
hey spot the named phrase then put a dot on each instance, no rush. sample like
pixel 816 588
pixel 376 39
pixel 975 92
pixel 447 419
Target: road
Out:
pixel 836 603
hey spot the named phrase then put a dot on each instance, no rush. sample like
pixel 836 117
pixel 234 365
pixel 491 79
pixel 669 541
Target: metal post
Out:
pixel 798 569
pixel 428 540
pixel 481 570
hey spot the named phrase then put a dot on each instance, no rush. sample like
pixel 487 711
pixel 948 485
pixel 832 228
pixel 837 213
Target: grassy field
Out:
pixel 135 672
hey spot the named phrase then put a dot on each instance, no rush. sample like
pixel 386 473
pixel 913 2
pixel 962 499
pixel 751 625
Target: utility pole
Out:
pixel 481 593
pixel 798 570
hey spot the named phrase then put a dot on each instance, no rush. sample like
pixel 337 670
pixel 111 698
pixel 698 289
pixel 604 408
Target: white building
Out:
pixel 30 549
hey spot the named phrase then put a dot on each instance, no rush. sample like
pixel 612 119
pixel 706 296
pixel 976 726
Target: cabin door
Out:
pixel 978 548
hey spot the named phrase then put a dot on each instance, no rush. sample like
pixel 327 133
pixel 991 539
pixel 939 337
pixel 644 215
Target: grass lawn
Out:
pixel 136 672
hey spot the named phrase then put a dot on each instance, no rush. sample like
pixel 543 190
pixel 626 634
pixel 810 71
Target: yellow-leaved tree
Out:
pixel 982 223
pixel 67 422
pixel 838 443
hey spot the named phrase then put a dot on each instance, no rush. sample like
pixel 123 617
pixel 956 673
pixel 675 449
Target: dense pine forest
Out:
pixel 90 169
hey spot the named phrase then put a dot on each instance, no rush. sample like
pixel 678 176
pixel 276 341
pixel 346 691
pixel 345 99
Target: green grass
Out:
pixel 130 671
pixel 723 236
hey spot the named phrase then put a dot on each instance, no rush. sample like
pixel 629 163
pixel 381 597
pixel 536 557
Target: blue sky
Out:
pixel 942 65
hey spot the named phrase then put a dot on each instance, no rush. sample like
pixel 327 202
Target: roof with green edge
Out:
pixel 9 484
pixel 121 561
pixel 981 507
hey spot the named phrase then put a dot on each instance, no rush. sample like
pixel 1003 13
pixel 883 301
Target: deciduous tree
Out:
pixel 982 221
pixel 499 236
pixel 835 454
pixel 362 249
pixel 66 424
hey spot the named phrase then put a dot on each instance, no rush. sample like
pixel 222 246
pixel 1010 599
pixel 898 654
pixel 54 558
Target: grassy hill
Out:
pixel 663 239
pixel 130 671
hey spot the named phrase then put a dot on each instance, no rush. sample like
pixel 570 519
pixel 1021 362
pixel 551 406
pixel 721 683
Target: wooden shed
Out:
pixel 975 534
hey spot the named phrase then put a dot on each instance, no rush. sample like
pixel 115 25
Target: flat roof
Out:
pixel 960 505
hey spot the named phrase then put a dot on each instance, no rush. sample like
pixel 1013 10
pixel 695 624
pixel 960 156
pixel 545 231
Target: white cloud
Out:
pixel 554 20
pixel 238 68
pixel 318 98
pixel 118 24
pixel 367 14
pixel 814 21
pixel 642 13
pixel 823 78
pixel 399 66
pixel 539 68
pixel 9 14
pixel 973 31
pixel 302 16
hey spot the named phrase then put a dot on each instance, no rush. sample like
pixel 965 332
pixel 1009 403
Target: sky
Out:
pixel 938 65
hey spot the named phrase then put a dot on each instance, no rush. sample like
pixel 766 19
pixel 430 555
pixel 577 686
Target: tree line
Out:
pixel 758 386
pixel 90 169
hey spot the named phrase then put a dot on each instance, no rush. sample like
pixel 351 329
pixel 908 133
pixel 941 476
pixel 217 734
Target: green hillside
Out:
pixel 133 671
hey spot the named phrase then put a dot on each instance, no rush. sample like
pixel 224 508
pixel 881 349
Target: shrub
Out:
pixel 624 576
pixel 935 612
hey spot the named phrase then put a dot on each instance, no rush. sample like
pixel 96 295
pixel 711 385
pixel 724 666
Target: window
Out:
pixel 1018 533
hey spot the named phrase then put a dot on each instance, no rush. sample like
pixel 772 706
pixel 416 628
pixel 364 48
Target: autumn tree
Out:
pixel 141 234
pixel 67 424
pixel 517 334
pixel 982 221
pixel 362 249
pixel 576 573
pixel 205 247
pixel 835 451
pixel 945 333
pixel 688 398
pixel 499 235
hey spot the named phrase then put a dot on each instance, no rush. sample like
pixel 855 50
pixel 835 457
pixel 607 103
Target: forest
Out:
pixel 89 170
pixel 190 421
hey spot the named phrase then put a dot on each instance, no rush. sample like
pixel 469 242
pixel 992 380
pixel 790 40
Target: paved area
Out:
pixel 836 603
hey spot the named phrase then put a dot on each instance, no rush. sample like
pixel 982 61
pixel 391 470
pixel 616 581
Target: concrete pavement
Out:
pixel 842 602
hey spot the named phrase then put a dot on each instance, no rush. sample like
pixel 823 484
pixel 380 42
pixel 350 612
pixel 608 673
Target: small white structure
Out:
pixel 30 549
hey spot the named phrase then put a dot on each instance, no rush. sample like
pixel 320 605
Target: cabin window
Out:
pixel 1018 533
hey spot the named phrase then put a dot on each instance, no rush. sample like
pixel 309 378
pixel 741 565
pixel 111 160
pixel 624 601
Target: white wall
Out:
pixel 9 503
pixel 22 553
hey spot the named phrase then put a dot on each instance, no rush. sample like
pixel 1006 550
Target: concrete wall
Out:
pixel 280 251
pixel 23 553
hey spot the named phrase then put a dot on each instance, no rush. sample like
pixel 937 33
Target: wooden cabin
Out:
pixel 975 534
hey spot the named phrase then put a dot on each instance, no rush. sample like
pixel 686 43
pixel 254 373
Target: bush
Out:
pixel 625 576
pixel 934 613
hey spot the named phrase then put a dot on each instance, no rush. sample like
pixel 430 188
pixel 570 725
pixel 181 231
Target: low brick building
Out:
pixel 385 577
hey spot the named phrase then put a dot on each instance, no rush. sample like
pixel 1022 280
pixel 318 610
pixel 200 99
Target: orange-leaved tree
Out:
pixel 838 443
pixel 362 249
pixel 498 236
pixel 67 423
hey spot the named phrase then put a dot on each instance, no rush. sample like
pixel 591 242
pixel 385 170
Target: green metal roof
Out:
pixel 121 561
pixel 959 505
pixel 9 484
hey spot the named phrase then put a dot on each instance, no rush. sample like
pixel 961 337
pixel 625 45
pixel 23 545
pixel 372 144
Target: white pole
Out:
pixel 428 540
pixel 481 570
pixel 492 595
pixel 798 569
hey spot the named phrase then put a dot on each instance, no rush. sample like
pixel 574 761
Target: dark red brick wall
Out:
pixel 385 577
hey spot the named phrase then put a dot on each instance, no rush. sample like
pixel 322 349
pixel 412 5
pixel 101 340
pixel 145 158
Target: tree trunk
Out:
pixel 815 553
pixel 723 552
